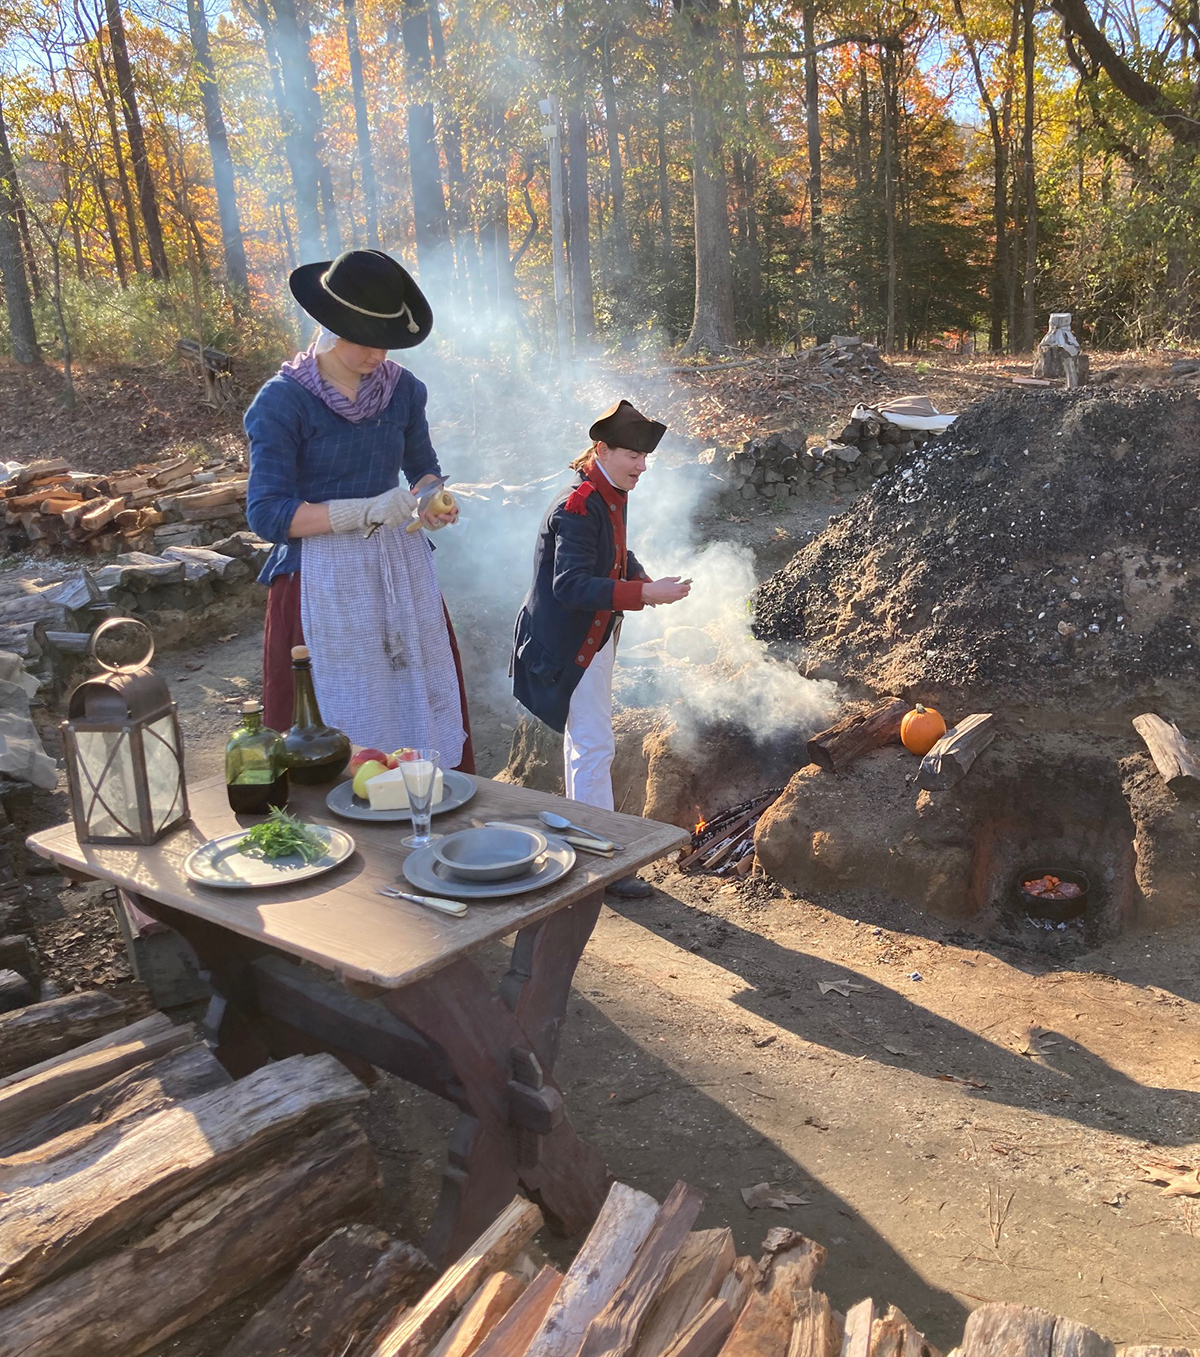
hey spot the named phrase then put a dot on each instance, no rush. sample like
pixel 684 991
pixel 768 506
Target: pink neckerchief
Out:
pixel 374 391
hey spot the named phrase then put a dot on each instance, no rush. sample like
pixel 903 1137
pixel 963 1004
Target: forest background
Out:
pixel 733 171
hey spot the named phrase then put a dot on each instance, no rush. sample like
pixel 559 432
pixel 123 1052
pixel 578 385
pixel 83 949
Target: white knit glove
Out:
pixel 392 509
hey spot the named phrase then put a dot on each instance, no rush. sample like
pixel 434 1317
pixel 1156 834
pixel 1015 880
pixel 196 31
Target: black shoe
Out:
pixel 630 888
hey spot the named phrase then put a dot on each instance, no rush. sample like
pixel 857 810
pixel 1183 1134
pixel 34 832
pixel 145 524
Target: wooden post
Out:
pixel 950 760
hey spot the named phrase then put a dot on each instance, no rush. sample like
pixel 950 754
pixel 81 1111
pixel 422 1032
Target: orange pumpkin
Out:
pixel 921 729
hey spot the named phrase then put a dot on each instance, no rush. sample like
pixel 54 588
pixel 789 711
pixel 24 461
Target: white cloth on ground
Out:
pixel 374 624
pixel 589 743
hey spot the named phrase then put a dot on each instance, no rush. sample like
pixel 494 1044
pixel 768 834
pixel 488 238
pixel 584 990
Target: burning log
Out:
pixel 723 839
pixel 854 736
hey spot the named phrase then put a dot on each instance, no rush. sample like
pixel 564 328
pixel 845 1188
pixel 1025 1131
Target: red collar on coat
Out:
pixel 595 480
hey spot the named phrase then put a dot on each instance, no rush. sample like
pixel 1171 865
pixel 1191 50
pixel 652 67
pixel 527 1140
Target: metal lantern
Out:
pixel 124 752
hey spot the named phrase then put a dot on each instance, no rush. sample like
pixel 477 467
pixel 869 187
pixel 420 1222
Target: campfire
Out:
pixel 724 845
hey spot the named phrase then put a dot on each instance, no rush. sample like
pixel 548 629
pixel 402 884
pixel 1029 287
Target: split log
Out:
pixel 93 514
pixel 486 1308
pixel 703 1264
pixel 856 1338
pixel 36 471
pixel 950 759
pixel 414 1333
pixel 999 1330
pixel 32 1093
pixel 512 1336
pixel 217 1246
pixel 816 1332
pixel 130 1097
pixel 600 1266
pixel 735 1289
pixel 706 1334
pixel 854 736
pixel 36 1033
pixel 335 1295
pixel 1171 753
pixel 615 1330
pixel 15 991
pixel 61 1210
pixel 894 1336
pixel 764 1328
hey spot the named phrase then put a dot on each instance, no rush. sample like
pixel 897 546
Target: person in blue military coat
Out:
pixel 585 579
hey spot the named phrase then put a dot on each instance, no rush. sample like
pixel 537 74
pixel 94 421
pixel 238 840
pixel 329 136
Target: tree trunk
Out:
pixel 890 110
pixel 137 142
pixel 282 32
pixel 622 260
pixel 104 85
pixel 664 178
pixel 1029 292
pixel 362 127
pixel 224 184
pixel 745 165
pixel 712 314
pixel 22 335
pixel 316 131
pixel 110 221
pixel 822 323
pixel 579 253
pixel 430 221
pixel 462 231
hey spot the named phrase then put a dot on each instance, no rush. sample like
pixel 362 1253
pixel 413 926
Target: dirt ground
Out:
pixel 947 1154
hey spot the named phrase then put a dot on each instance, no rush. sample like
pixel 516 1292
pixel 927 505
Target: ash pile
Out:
pixel 1043 550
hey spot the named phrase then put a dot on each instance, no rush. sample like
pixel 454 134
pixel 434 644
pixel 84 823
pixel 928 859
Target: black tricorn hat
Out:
pixel 625 427
pixel 366 297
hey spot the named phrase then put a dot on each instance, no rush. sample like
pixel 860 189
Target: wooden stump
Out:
pixel 950 760
pixel 40 1031
pixel 1172 755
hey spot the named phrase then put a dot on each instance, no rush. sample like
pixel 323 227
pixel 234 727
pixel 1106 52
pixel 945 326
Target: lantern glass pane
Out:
pixel 108 788
pixel 164 770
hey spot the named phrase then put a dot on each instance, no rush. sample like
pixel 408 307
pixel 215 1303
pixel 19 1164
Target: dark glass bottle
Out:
pixel 315 752
pixel 256 773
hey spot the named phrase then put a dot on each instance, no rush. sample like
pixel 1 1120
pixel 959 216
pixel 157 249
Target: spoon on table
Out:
pixel 548 818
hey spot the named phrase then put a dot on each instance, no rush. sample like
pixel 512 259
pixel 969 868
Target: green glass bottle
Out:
pixel 256 773
pixel 315 752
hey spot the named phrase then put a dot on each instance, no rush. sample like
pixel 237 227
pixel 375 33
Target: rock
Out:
pixel 846 455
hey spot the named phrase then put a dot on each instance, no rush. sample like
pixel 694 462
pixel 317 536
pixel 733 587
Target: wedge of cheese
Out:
pixel 386 791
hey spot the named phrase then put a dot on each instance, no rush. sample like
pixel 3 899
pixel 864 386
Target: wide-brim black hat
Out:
pixel 366 297
pixel 625 427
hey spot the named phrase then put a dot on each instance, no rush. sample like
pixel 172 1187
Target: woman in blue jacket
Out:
pixel 338 444
pixel 584 579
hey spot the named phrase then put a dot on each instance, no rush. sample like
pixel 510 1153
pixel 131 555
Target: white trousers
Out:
pixel 589 743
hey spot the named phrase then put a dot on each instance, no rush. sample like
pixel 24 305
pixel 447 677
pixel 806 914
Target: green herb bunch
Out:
pixel 280 836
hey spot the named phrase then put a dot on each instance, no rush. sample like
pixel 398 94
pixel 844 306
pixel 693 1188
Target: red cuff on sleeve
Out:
pixel 627 596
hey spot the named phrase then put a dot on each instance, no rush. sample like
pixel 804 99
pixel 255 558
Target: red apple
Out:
pixel 400 756
pixel 369 756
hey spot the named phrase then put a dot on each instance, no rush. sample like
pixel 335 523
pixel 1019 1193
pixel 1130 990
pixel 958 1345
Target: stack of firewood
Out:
pixel 142 1188
pixel 644 1284
pixel 50 510
pixel 725 844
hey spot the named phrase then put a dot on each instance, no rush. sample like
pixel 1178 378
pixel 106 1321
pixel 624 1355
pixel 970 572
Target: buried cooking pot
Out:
pixel 1052 893
pixel 493 853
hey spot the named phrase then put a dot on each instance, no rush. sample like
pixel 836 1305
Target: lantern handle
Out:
pixel 107 625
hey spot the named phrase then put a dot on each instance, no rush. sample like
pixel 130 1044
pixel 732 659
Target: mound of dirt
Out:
pixel 1041 550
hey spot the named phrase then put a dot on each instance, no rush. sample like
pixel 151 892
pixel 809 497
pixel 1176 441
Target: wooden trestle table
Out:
pixel 400 990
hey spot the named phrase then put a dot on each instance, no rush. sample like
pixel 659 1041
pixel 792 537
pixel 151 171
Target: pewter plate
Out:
pixel 220 862
pixel 459 789
pixel 428 875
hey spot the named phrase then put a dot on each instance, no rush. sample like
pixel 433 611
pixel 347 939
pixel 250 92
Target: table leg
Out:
pixel 512 1128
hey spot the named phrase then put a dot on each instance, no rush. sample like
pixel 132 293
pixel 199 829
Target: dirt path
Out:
pixel 943 1164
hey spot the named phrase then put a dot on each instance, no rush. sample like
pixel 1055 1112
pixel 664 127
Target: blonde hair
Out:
pixel 585 459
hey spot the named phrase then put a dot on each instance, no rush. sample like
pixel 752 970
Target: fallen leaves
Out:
pixel 895 1044
pixel 1036 1041
pixel 959 1079
pixel 761 1196
pixel 842 987
pixel 1176 1180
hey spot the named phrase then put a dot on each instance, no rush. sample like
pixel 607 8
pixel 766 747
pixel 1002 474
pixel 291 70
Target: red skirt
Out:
pixel 283 631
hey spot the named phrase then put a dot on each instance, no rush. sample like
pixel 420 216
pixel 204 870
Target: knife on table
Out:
pixel 422 496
